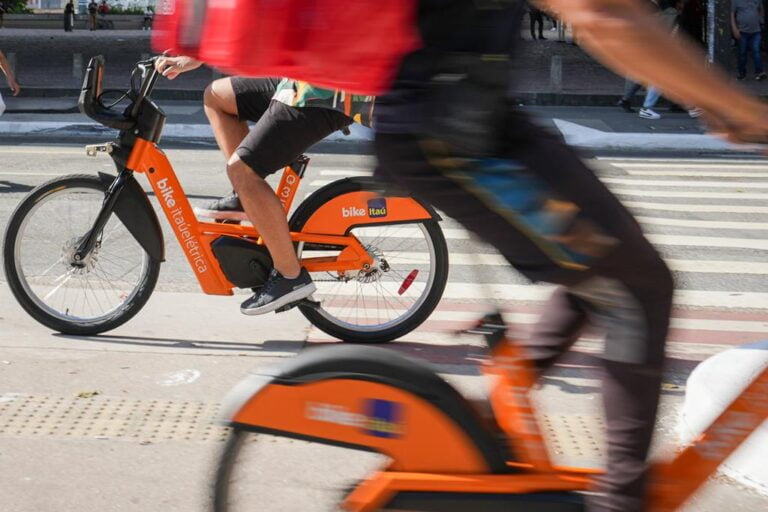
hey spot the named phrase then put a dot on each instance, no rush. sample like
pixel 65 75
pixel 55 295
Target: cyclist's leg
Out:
pixel 281 135
pixel 230 102
pixel 643 280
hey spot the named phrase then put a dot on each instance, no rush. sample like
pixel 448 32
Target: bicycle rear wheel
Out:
pixel 394 296
pixel 95 295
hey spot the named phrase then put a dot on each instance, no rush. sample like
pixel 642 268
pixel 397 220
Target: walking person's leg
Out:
pixel 757 56
pixel 630 90
pixel 652 96
pixel 532 24
pixel 540 21
pixel 742 59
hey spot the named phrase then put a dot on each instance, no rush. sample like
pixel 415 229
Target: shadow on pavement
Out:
pixel 7 187
pixel 141 341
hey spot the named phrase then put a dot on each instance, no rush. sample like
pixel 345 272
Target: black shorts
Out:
pixel 281 133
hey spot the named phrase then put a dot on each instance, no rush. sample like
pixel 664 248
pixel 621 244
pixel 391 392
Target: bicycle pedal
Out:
pixel 303 302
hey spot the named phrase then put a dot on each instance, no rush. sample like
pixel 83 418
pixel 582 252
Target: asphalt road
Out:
pixel 146 441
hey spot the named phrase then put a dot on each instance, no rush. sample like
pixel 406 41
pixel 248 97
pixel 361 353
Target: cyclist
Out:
pixel 447 132
pixel 289 117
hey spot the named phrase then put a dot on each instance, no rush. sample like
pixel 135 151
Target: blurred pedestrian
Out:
pixel 93 8
pixel 149 15
pixel 536 16
pixel 69 16
pixel 2 14
pixel 12 83
pixel 747 26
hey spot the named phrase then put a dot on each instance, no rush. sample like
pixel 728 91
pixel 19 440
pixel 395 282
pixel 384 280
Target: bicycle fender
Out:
pixel 371 399
pixel 344 204
pixel 135 211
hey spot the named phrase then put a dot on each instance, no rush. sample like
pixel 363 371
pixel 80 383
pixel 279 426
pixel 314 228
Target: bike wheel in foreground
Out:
pixel 276 474
pixel 98 294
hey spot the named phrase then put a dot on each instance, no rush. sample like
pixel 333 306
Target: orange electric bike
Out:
pixel 82 253
pixel 444 452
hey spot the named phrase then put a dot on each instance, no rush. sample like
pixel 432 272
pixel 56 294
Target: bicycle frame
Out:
pixel 329 225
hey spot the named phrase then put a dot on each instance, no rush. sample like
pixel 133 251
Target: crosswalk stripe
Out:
pixel 757 165
pixel 687 183
pixel 344 172
pixel 663 162
pixel 670 240
pixel 698 208
pixel 702 224
pixel 490 259
pixel 699 174
pixel 493 292
pixel 693 195
pixel 708 241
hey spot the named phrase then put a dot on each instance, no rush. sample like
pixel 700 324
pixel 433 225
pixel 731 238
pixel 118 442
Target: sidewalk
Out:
pixel 46 67
pixel 594 128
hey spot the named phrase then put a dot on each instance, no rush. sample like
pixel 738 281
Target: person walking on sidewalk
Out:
pixel 93 8
pixel 669 12
pixel 536 17
pixel 747 26
pixel 69 16
pixel 12 83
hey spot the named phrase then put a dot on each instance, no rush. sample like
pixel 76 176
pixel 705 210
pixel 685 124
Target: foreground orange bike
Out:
pixel 443 452
pixel 82 253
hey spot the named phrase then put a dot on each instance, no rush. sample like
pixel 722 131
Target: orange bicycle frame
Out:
pixel 329 225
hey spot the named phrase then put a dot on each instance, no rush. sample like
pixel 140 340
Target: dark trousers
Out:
pixel 749 44
pixel 536 17
pixel 627 291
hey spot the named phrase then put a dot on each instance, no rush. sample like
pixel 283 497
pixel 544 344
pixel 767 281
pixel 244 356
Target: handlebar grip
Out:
pixel 88 103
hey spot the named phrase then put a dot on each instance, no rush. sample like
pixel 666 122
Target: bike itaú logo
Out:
pixel 188 240
pixel 377 207
pixel 379 418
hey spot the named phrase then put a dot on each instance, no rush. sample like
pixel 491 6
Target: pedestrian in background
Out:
pixel 149 15
pixel 536 16
pixel 69 16
pixel 12 83
pixel 2 14
pixel 93 7
pixel 747 26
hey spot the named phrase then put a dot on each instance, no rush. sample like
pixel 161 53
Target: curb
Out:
pixel 172 131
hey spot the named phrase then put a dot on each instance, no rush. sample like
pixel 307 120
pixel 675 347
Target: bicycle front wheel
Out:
pixel 88 297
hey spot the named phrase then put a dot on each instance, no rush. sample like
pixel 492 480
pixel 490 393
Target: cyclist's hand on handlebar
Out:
pixel 171 67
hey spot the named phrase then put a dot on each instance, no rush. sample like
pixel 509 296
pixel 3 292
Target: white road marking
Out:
pixel 536 293
pixel 694 164
pixel 708 241
pixel 687 183
pixel 691 195
pixel 700 174
pixel 344 172
pixel 699 208
pixel 26 173
pixel 702 224
pixel 179 378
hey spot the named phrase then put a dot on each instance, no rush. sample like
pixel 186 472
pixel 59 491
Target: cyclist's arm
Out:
pixel 626 36
pixel 171 67
pixel 6 69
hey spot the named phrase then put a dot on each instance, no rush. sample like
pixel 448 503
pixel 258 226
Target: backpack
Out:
pixel 335 44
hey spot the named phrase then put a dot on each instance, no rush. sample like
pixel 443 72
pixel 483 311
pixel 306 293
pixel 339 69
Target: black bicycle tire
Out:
pixel 123 314
pixel 332 190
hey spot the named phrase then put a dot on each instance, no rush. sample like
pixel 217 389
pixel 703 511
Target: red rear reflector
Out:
pixel 408 282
